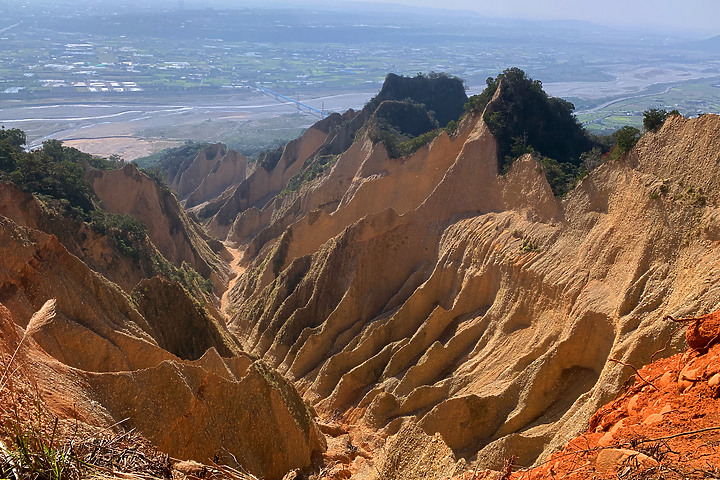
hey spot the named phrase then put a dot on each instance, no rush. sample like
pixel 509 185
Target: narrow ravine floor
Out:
pixel 237 255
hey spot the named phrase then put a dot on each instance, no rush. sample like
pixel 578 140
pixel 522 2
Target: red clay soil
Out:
pixel 703 331
pixel 666 425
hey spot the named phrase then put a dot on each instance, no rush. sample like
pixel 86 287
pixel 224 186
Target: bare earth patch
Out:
pixel 665 425
pixel 129 148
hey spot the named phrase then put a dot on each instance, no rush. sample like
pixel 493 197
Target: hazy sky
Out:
pixel 681 14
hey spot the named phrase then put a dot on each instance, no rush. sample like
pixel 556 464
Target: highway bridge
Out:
pixel 300 106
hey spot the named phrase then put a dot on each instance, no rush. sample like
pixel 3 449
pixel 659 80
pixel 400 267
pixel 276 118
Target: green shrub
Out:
pixel 38 173
pixel 440 93
pixel 187 276
pixel 403 127
pixel 654 118
pixel 33 454
pixel 398 145
pixel 269 159
pixel 128 232
pixel 405 117
pixel 692 197
pixel 524 111
pixel 528 246
pixel 11 145
pixel 156 176
pixel 625 139
pixel 452 127
pixel 313 169
pixel 562 177
pixel 55 171
pixel 412 145
pixel 477 103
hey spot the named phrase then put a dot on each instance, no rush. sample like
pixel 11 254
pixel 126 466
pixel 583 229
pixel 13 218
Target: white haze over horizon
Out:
pixel 682 14
pixel 674 16
pixel 697 18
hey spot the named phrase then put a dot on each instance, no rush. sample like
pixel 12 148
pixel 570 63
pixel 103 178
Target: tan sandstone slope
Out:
pixel 208 174
pixel 99 252
pixel 332 134
pixel 176 236
pixel 97 357
pixel 466 316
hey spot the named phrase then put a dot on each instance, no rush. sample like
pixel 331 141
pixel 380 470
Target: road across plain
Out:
pixel 87 120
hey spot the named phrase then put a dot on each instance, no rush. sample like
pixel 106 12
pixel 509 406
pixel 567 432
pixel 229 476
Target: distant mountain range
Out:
pixel 709 45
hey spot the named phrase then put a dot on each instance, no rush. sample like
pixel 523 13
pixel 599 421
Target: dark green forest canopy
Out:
pixel 410 111
pixel 526 119
pixel 441 94
pixel 54 170
pixel 56 175
pixel 270 158
pixel 171 160
pixel 407 117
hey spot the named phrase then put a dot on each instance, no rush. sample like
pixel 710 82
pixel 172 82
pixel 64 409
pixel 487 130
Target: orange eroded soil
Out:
pixel 666 425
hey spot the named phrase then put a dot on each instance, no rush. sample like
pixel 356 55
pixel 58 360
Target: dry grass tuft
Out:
pixel 37 445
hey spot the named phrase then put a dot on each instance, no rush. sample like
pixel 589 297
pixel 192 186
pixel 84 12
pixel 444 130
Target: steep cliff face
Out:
pixel 396 111
pixel 664 423
pixel 208 174
pixel 97 251
pixel 179 324
pixel 230 170
pixel 364 180
pixel 98 359
pixel 266 181
pixel 459 311
pixel 128 191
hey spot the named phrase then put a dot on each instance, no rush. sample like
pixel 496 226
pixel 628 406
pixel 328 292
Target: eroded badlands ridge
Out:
pixel 433 312
pixel 664 424
pixel 106 356
pixel 470 316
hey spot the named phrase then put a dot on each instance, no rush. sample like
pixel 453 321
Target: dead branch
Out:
pixel 683 434
pixel 635 370
pixel 508 468
pixel 667 344
pixel 680 320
